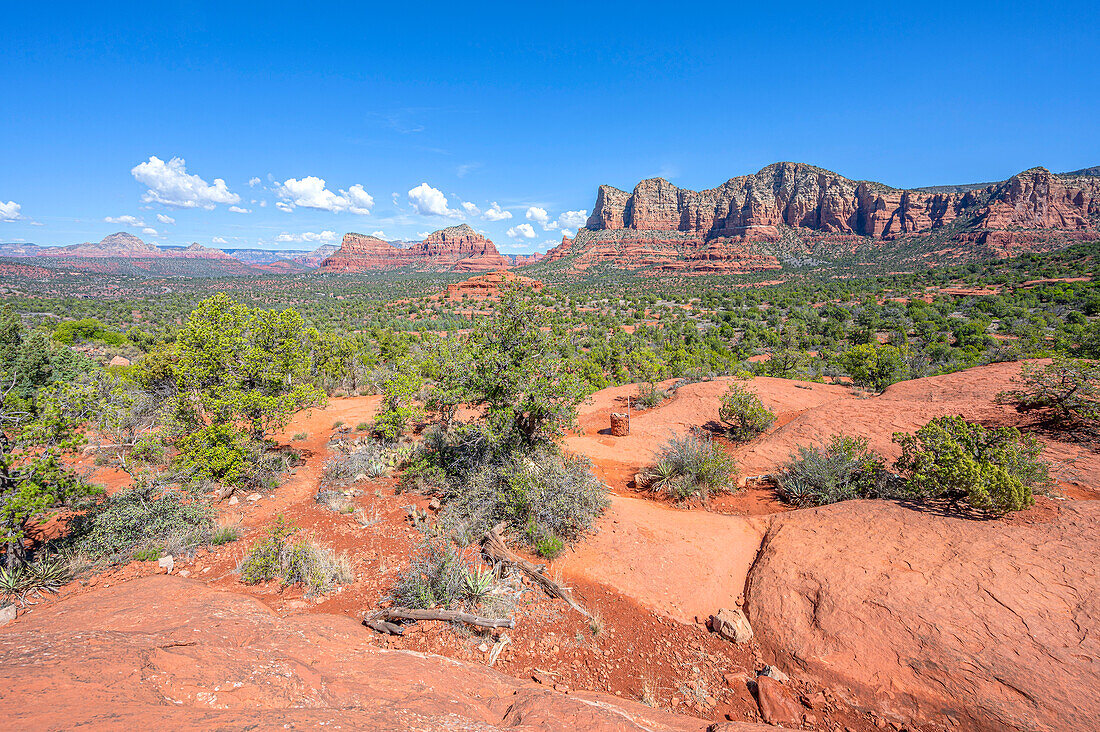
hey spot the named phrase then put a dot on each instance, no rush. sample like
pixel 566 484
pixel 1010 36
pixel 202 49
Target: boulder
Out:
pixel 731 625
pixel 932 619
pixel 778 704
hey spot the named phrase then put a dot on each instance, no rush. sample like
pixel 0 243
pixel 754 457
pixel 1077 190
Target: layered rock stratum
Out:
pixel 791 211
pixel 454 249
pixel 168 653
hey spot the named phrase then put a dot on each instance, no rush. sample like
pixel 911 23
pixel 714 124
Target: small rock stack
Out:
pixel 620 424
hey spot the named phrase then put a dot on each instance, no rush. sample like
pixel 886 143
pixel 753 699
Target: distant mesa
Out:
pixel 454 249
pixel 123 252
pixel 792 210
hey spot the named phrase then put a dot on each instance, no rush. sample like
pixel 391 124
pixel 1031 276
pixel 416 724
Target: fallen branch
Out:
pixel 381 626
pixel 380 620
pixel 498 551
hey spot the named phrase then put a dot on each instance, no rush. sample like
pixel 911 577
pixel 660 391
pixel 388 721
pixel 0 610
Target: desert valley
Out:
pixel 434 367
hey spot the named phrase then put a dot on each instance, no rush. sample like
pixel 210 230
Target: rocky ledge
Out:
pixel 168 653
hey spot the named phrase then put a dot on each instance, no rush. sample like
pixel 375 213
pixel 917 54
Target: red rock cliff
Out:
pixel 716 229
pixel 456 248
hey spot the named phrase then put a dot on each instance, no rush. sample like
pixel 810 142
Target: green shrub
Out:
pixel 397 408
pixel 874 367
pixel 299 436
pixel 692 465
pixel 996 470
pixel 141 521
pixel 302 562
pixel 374 459
pixel 744 411
pixel 1069 387
pixel 225 531
pixel 215 452
pixel 221 453
pixel 484 480
pixel 439 576
pixel 648 396
pixel 844 468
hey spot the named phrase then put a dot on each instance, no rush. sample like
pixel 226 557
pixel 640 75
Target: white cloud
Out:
pixel 465 168
pixel 284 206
pixel 569 232
pixel 238 209
pixel 573 219
pixel 310 192
pixel 149 230
pixel 10 211
pixel 539 216
pixel 253 182
pixel 165 219
pixel 323 237
pixel 423 234
pixel 378 234
pixel 470 208
pixel 361 201
pixel 495 213
pixel 170 184
pixel 126 220
pixel 263 204
pixel 218 240
pixel 430 201
pixel 522 230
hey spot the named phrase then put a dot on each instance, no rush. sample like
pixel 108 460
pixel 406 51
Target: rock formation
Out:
pixel 120 244
pixel 488 286
pixel 318 255
pixel 456 248
pixel 748 221
pixel 934 619
pixel 168 653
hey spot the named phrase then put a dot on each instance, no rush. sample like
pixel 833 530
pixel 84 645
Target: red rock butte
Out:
pixel 488 286
pixel 800 210
pixel 454 249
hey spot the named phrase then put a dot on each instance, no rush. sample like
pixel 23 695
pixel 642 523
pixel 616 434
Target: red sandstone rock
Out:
pixel 163 652
pixel 708 231
pixel 986 625
pixel 489 285
pixel 778 704
pixel 456 248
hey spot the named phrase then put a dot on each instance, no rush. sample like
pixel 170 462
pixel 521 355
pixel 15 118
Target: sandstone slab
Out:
pixel 934 619
pixel 168 653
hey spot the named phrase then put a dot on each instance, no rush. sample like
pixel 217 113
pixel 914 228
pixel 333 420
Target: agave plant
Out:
pixel 662 476
pixel 44 575
pixel 478 582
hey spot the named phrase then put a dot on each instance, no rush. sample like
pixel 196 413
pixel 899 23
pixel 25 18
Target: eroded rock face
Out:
pixel 693 230
pixel 947 621
pixel 167 653
pixel 456 248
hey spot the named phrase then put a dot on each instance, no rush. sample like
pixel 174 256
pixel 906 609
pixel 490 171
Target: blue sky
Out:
pixel 525 106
